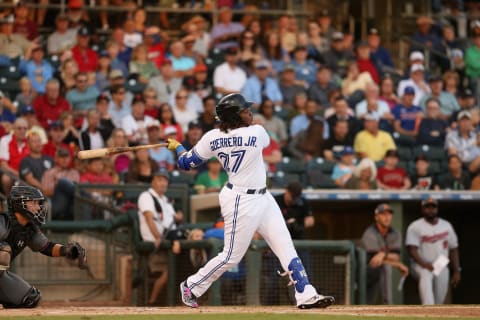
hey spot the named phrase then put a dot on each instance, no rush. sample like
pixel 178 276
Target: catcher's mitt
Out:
pixel 73 251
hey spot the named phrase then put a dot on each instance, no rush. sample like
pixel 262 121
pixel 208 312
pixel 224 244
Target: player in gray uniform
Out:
pixel 428 238
pixel 246 205
pixel 19 228
pixel 382 244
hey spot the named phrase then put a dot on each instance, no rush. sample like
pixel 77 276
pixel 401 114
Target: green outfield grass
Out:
pixel 197 316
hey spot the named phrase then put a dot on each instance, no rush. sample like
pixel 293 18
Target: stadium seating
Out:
pixel 430 152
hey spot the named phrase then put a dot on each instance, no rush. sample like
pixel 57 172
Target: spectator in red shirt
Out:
pixel 55 141
pixel 364 62
pixel 49 106
pixel 13 148
pixel 391 177
pixel 86 58
pixel 23 25
pixel 155 47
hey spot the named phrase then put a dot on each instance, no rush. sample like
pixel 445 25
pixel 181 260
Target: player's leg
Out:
pixel 425 285
pixel 16 292
pixel 440 286
pixel 274 230
pixel 386 284
pixel 241 220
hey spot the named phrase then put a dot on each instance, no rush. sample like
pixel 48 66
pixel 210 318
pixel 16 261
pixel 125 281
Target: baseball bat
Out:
pixel 103 152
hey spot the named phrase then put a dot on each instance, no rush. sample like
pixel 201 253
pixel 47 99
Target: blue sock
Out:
pixel 299 275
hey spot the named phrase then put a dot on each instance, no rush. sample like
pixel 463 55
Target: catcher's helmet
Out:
pixel 230 106
pixel 18 197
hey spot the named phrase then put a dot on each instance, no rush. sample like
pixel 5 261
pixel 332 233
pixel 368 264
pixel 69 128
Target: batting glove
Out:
pixel 173 144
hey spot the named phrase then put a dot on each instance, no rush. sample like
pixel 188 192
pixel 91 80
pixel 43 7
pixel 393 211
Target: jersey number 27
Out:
pixel 235 156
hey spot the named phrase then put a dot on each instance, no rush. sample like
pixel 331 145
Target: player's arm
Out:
pixel 186 160
pixel 413 251
pixel 454 257
pixel 152 227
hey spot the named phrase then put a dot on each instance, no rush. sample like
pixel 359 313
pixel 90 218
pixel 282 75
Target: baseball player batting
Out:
pixel 245 203
pixel 428 238
pixel 20 228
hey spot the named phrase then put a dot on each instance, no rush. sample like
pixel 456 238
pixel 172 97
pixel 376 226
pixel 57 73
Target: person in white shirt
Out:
pixel 229 77
pixel 135 124
pixel 417 81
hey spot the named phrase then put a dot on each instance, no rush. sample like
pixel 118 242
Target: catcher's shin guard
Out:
pixel 17 293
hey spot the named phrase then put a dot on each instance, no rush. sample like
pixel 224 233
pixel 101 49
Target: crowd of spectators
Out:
pixel 319 92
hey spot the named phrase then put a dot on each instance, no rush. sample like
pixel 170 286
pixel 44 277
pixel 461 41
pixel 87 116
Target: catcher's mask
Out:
pixel 229 107
pixel 17 202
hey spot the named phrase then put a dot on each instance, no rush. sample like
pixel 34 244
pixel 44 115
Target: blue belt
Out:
pixel 244 190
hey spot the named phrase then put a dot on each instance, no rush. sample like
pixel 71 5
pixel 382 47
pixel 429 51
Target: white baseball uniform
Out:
pixel 432 241
pixel 246 207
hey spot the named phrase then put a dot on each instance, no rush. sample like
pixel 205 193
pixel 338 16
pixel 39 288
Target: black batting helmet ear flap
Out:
pixel 230 106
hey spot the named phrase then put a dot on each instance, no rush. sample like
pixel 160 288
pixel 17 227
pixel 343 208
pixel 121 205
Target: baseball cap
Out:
pixel 161 173
pixel 300 48
pixel 200 67
pixel 56 124
pixel 466 93
pixel 421 157
pixel 416 55
pixel 435 78
pixel 138 99
pixel 424 20
pixel 62 152
pixel 324 13
pixel 26 110
pixel 371 116
pixel 373 31
pixel 61 16
pixel 348 150
pixel 362 44
pixel 167 62
pixel 83 31
pixel 104 53
pixel 262 64
pixel 464 114
pixel 194 124
pixel 289 67
pixel 231 50
pixel 456 53
pixel 417 67
pixel 103 97
pixel 189 83
pixel 383 207
pixel 391 153
pixel 152 30
pixel 295 189
pixel 75 4
pixel 154 124
pixel 169 130
pixel 429 202
pixel 475 24
pixel 337 35
pixel 115 73
pixel 409 90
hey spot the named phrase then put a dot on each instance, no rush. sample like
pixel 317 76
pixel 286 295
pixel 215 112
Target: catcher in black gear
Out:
pixel 19 228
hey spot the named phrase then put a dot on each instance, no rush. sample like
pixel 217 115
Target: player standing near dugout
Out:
pixel 20 228
pixel 429 238
pixel 245 203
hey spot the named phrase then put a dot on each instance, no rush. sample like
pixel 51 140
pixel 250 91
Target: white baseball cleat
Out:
pixel 188 297
pixel 317 301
